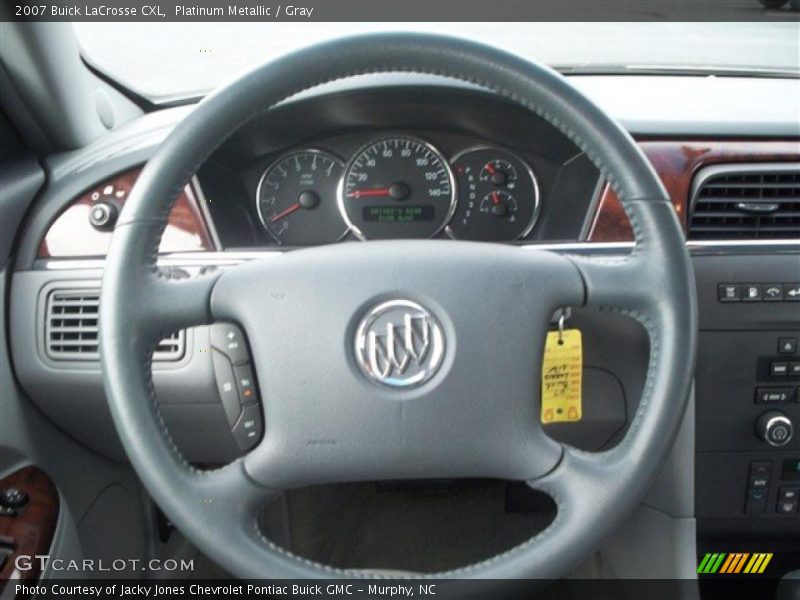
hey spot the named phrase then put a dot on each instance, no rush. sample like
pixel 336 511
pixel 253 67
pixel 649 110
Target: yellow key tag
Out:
pixel 561 377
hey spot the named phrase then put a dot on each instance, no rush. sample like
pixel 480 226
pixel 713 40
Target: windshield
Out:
pixel 168 60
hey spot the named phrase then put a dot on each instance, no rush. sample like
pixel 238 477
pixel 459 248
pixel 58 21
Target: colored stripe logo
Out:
pixel 734 563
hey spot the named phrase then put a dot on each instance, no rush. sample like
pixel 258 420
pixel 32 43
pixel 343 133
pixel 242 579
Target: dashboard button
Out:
pixel 791 292
pixel 787 345
pixel 756 502
pixel 778 369
pixel 751 292
pixel 789 494
pixel 728 292
pixel 790 470
pixel 773 292
pixel 760 468
pixel 229 339
pixel 794 369
pixel 786 508
pixel 774 395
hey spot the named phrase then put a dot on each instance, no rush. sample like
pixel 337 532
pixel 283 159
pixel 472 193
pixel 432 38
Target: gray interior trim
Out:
pixel 230 258
pixel 20 180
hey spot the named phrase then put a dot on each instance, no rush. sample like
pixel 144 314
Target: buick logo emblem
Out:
pixel 399 344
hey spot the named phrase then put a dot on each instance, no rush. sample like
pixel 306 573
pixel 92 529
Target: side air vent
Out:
pixel 71 328
pixel 760 201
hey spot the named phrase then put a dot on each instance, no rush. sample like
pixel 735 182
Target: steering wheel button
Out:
pixel 229 339
pixel 248 429
pixel 226 387
pixel 245 383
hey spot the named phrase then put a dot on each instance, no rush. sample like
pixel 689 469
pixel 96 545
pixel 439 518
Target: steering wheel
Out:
pixel 478 313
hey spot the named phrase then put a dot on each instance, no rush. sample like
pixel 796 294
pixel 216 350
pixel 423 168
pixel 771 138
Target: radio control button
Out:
pixel 249 428
pixel 226 387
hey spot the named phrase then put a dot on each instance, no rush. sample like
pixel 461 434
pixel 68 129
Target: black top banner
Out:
pixel 395 10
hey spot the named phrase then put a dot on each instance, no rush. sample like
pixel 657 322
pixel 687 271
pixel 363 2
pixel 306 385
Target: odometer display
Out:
pixel 398 214
pixel 397 187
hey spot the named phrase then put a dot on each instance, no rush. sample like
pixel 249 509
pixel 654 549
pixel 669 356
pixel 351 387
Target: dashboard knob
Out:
pixel 103 215
pixel 775 428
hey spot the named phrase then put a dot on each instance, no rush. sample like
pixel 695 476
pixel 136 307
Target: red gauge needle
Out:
pixel 366 193
pixel 489 168
pixel 285 212
pixel 495 198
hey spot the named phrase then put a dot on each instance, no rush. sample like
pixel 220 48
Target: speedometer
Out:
pixel 397 187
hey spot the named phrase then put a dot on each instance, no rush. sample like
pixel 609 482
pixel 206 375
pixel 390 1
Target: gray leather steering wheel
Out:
pixel 325 422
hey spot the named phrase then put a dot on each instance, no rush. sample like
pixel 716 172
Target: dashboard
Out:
pixel 412 160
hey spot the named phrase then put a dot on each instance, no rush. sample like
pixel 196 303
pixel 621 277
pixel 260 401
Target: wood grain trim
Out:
pixel 71 234
pixel 676 163
pixel 32 530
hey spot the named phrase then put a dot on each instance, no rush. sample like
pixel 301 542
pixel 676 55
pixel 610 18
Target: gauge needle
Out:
pixel 285 212
pixel 495 198
pixel 489 168
pixel 366 193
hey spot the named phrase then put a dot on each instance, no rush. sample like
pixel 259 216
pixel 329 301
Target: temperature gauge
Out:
pixel 498 196
pixel 499 204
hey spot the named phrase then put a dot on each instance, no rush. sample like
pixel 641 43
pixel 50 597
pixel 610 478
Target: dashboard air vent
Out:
pixel 759 201
pixel 71 328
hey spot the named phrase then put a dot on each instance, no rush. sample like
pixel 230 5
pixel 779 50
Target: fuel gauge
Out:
pixel 498 196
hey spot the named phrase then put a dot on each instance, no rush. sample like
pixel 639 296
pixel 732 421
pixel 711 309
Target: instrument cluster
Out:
pixel 395 187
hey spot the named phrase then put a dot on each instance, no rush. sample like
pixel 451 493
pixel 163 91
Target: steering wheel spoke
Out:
pixel 174 304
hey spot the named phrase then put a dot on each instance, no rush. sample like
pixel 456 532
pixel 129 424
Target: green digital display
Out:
pixel 399 213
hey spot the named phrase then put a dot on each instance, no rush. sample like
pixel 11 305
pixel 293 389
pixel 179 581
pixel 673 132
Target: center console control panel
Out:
pixel 747 394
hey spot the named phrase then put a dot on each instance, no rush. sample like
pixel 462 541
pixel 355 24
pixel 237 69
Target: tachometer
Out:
pixel 397 187
pixel 297 198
